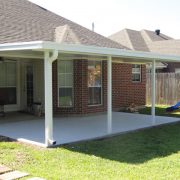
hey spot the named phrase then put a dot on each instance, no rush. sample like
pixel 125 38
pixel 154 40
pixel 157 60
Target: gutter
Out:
pixel 88 50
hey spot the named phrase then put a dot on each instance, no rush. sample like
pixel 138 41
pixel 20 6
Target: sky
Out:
pixel 110 16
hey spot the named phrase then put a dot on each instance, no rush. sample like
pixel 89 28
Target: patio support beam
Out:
pixel 48 60
pixel 153 90
pixel 109 94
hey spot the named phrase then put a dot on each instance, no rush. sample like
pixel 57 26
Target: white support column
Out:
pixel 109 94
pixel 48 96
pixel 153 90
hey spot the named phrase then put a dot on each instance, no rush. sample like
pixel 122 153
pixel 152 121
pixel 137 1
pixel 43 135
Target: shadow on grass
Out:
pixel 134 148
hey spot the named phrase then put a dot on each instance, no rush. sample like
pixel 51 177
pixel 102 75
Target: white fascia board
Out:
pixel 88 50
pixel 94 50
pixel 21 46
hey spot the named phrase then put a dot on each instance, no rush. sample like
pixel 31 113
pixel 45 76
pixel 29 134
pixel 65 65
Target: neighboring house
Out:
pixel 79 83
pixel 150 41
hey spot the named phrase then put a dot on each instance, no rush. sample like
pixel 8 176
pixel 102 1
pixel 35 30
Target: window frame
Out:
pixel 177 70
pixel 92 105
pixel 140 73
pixel 16 81
pixel 58 85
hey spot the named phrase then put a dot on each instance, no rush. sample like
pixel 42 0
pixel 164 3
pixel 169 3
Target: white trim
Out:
pixel 15 107
pixel 58 61
pixel 109 94
pixel 89 50
pixel 140 73
pixel 153 89
pixel 21 46
pixel 102 94
pixel 94 50
pixel 48 96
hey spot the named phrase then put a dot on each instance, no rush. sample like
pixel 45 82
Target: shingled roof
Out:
pixel 171 47
pixel 23 21
pixel 148 41
pixel 139 40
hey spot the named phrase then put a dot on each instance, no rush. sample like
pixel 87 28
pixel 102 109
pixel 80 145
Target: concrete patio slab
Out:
pixel 4 169
pixel 35 178
pixel 13 175
pixel 73 129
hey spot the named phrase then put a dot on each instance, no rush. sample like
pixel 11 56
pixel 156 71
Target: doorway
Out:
pixel 27 86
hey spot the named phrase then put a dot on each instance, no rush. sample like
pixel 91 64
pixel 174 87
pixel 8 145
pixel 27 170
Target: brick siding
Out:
pixel 125 91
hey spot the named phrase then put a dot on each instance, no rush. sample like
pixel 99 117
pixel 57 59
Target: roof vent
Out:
pixel 93 26
pixel 157 31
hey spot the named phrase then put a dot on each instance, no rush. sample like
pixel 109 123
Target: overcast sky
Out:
pixel 111 16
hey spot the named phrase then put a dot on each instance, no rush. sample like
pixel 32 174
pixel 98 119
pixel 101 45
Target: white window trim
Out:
pixel 93 105
pixel 177 70
pixel 140 73
pixel 58 86
pixel 15 107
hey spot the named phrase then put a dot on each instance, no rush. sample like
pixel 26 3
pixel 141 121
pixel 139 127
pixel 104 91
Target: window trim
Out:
pixel 96 105
pixel 140 73
pixel 16 82
pixel 58 87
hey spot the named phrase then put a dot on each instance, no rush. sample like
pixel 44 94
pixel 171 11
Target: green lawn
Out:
pixel 148 154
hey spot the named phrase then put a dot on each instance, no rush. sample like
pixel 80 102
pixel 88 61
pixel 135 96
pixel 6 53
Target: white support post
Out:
pixel 48 96
pixel 153 90
pixel 109 94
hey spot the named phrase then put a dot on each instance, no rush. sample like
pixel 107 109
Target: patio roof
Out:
pixel 49 51
pixel 35 49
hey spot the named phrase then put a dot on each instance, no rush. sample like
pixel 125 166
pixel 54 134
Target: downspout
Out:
pixel 54 56
pixel 49 140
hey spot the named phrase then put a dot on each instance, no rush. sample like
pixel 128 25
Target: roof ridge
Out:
pixel 62 33
pixel 128 38
pixel 145 35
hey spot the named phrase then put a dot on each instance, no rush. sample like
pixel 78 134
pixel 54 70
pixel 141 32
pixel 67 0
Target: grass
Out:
pixel 148 154
pixel 160 111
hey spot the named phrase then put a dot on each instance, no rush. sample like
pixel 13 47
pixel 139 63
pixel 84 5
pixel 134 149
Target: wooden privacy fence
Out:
pixel 167 88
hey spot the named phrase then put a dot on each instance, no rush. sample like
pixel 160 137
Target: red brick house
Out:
pixel 82 88
pixel 45 58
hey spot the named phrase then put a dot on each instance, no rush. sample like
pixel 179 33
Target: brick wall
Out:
pixel 125 91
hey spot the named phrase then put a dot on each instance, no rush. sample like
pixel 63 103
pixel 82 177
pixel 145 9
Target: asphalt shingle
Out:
pixel 23 21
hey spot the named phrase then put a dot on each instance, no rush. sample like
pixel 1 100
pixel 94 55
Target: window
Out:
pixel 65 83
pixel 177 70
pixel 8 82
pixel 95 82
pixel 136 73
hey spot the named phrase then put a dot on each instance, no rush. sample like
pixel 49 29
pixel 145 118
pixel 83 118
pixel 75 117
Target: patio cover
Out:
pixel 49 51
